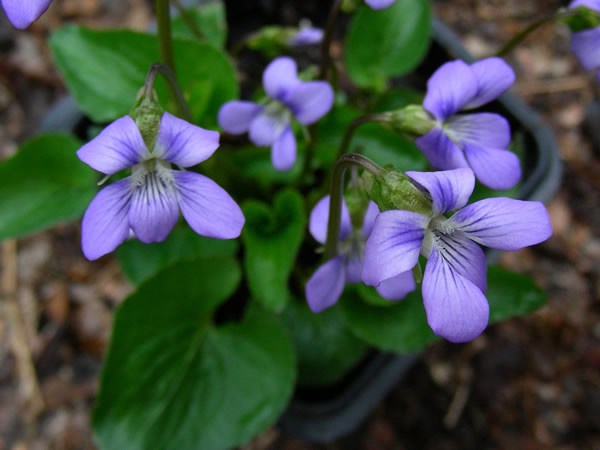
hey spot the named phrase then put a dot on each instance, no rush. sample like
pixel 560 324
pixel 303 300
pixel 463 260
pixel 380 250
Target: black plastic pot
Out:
pixel 333 417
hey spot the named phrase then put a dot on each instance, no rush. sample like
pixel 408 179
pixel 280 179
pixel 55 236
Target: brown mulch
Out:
pixel 528 383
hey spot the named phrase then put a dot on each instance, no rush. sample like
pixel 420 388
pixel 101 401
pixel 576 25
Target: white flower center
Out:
pixel 154 177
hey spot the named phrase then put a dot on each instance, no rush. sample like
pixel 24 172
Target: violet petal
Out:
pixel 280 77
pixel 119 146
pixel 184 144
pixel 154 210
pixel 496 168
pixel 236 116
pixel 319 218
pixel 105 223
pixel 379 4
pixel 440 151
pixel 23 13
pixel 456 309
pixel 283 152
pixel 449 189
pixel 398 287
pixel 449 89
pixel 494 76
pixel 369 219
pixel 265 129
pixel 326 285
pixel 585 45
pixel 481 129
pixel 464 256
pixel 207 207
pixel 504 223
pixel 394 245
pixel 310 101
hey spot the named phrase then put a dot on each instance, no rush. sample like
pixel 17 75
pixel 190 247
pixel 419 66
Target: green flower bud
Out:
pixel 394 190
pixel 147 113
pixel 411 120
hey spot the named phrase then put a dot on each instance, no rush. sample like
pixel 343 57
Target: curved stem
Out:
pixel 327 37
pixel 165 38
pixel 169 76
pixel 522 35
pixel 337 196
pixel 350 129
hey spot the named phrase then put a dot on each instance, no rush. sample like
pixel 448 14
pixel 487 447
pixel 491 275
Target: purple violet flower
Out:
pixel 148 201
pixel 22 13
pixel 306 35
pixel 477 140
pixel 327 283
pixel 455 279
pixel 270 124
pixel 586 44
pixel 379 4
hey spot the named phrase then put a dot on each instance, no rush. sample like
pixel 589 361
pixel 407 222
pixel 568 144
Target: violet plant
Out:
pixel 208 349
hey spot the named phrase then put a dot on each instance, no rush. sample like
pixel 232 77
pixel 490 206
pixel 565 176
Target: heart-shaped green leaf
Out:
pixel 174 381
pixel 271 239
pixel 104 70
pixel 43 184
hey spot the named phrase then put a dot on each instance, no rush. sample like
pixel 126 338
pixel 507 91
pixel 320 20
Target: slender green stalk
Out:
pixel 337 195
pixel 169 76
pixel 165 37
pixel 189 21
pixel 523 34
pixel 327 37
pixel 349 133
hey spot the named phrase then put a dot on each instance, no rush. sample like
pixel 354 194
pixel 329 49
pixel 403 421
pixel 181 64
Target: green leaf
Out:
pixel 104 71
pixel 209 19
pixel 173 381
pixel 401 328
pixel 325 348
pixel 372 140
pixel 387 43
pixel 43 184
pixel 140 261
pixel 512 294
pixel 272 238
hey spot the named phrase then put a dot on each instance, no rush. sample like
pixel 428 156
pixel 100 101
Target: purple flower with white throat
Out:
pixel 23 13
pixel 585 44
pixel 270 124
pixel 148 201
pixel 327 283
pixel 476 140
pixel 455 279
pixel 379 4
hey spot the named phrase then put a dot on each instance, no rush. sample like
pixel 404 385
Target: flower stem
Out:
pixel 337 195
pixel 166 72
pixel 349 133
pixel 165 38
pixel 523 34
pixel 327 37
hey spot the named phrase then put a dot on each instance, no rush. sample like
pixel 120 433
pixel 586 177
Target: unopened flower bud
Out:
pixel 394 190
pixel 411 120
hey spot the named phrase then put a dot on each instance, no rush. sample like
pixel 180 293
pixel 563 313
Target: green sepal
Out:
pixel 586 19
pixel 412 121
pixel 147 113
pixel 394 190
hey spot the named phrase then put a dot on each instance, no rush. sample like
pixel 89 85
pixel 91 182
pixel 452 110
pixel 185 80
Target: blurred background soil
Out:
pixel 530 383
